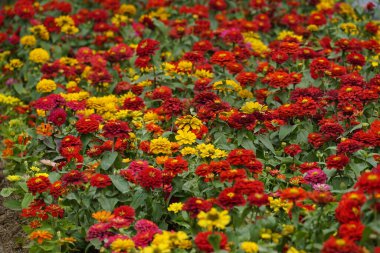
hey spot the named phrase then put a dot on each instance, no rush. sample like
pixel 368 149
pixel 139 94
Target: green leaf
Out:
pixel 6 192
pixel 120 183
pixel 12 204
pixel 54 176
pixel 138 199
pixel 108 159
pixel 28 198
pixel 266 142
pixel 108 203
pixel 248 144
pixel 285 131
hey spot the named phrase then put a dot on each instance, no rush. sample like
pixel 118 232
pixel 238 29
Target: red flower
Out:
pixel 246 78
pixel 347 211
pixel 134 104
pixel 125 212
pixel 352 231
pixel 292 150
pixel 293 194
pixel 176 165
pixel 337 161
pixel 319 66
pixel 232 175
pixel 349 146
pixel 258 199
pixel 331 130
pixel 203 244
pixel 369 182
pixel 38 184
pixel 147 47
pixel 221 58
pixel 278 79
pixel 55 210
pixel 57 116
pixel 356 59
pixel 73 177
pixel 194 205
pixel 334 244
pixel 117 128
pixel 87 125
pixel 100 181
pixel 229 198
pixel 247 187
pixel 172 106
pixel 56 189
pixel 71 140
pixel 321 197
pixel 150 178
pixel 317 19
pixel 240 157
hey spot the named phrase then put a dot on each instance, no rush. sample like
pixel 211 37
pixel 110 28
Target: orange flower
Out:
pixel 161 159
pixel 44 129
pixel 7 152
pixel 40 235
pixel 102 216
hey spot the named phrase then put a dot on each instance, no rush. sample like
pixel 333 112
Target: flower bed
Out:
pixel 192 126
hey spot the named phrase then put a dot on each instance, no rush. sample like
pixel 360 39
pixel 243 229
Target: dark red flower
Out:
pixel 100 181
pixel 203 244
pixel 38 184
pixel 150 178
pixel 147 47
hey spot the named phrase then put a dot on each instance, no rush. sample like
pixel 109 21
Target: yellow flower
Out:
pixel 277 204
pixel 256 44
pixel 67 240
pixel 160 145
pixel 78 96
pixel 39 55
pixel 188 122
pixel 161 248
pixel 69 29
pixel 213 218
pixel 9 100
pixel 202 73
pixel 127 9
pixel 249 247
pixel 245 94
pixel 118 19
pixel 46 85
pixel 175 207
pixel 122 245
pixel 292 250
pixel 349 28
pixel 13 178
pixel 64 20
pixel 28 40
pixel 188 151
pixel 14 64
pixel 151 117
pixel 41 113
pixel 251 107
pixel 312 28
pixel 227 85
pixel 184 66
pixel 283 34
pixel 184 137
pixel 40 235
pixel 102 216
pixel 41 174
pixel 287 229
pixel 40 31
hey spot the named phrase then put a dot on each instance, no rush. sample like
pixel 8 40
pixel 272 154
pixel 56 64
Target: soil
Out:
pixel 11 234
